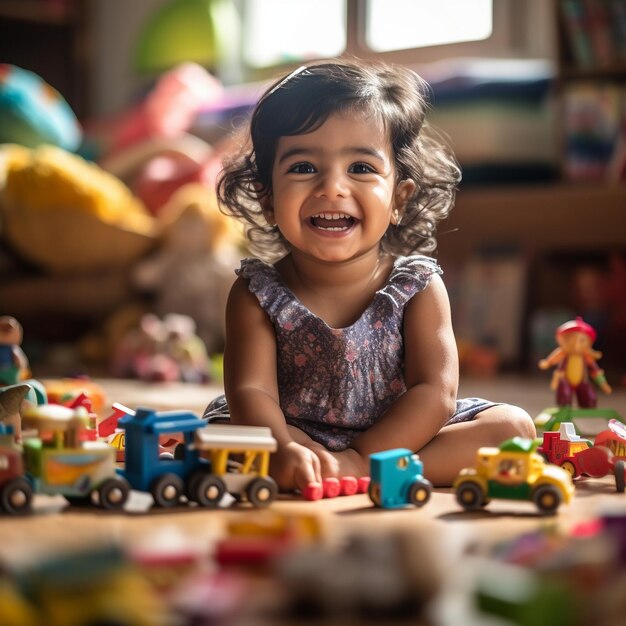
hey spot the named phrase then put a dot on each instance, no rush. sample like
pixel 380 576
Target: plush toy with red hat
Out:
pixel 576 366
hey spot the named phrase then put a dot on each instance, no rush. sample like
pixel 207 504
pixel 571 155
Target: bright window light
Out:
pixel 284 31
pixel 404 24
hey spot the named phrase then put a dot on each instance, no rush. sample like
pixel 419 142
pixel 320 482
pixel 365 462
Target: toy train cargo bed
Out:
pixel 222 437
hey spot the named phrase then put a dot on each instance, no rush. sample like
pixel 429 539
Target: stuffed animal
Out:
pixel 192 271
pixel 69 216
pixel 32 112
pixel 162 350
pixel 167 111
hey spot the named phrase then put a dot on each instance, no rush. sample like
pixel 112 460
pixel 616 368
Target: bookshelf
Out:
pixel 51 39
pixel 591 87
pixel 565 241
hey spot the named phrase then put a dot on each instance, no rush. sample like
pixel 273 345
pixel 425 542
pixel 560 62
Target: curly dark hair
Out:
pixel 301 103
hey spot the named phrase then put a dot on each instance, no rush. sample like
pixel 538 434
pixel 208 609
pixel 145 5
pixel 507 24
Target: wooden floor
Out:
pixel 56 527
pixel 54 524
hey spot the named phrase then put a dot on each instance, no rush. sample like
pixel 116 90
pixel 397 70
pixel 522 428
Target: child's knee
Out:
pixel 507 421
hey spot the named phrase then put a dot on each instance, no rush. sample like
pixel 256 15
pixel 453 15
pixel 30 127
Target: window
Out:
pixel 425 23
pixel 277 32
pixel 284 32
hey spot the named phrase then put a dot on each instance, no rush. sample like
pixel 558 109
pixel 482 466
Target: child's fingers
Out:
pixel 308 472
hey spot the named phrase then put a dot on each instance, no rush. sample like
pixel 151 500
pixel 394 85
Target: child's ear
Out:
pixel 404 191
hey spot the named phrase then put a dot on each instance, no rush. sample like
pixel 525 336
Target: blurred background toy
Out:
pixel 192 271
pixel 70 216
pixel 163 350
pixel 32 112
pixel 13 362
pixel 166 111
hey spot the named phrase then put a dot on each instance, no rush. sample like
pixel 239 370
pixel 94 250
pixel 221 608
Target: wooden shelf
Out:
pixel 62 54
pixel 534 219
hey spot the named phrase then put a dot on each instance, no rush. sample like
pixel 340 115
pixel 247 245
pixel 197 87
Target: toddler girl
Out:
pixel 338 336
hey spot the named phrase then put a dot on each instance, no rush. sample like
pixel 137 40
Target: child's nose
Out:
pixel 332 184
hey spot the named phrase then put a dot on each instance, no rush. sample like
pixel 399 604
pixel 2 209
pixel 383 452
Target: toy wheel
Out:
pixel 262 491
pixel 620 476
pixel 113 493
pixel 208 490
pixel 16 497
pixel 374 493
pixel 191 490
pixel 166 490
pixel 470 496
pixel 569 467
pixel 547 499
pixel 419 493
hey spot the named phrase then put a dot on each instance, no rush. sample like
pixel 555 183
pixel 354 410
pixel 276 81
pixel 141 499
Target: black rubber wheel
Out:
pixel 16 496
pixel 620 477
pixel 262 492
pixel 166 490
pixel 420 491
pixel 547 499
pixel 113 493
pixel 208 490
pixel 470 496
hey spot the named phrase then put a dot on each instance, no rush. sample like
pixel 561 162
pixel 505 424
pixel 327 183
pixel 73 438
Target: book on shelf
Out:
pixel 488 301
pixel 595 32
pixel 595 131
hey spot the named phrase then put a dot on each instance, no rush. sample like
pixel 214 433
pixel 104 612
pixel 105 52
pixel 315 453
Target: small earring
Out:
pixel 397 217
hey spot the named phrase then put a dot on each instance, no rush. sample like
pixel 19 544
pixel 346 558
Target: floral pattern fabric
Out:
pixel 337 382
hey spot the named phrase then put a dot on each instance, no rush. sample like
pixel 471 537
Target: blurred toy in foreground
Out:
pixel 576 366
pixel 377 577
pixel 549 577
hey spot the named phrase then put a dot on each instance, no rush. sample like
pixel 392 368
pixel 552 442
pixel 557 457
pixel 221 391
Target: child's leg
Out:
pixel 455 446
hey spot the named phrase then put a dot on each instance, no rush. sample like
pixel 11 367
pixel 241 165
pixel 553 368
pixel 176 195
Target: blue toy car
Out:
pixel 397 479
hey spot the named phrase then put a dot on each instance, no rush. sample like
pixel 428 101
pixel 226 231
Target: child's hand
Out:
pixel 339 464
pixel 294 466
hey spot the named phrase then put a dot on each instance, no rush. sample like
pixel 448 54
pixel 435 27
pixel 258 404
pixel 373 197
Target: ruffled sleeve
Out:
pixel 266 284
pixel 410 275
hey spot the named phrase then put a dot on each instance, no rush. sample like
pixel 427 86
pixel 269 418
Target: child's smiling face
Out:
pixel 334 190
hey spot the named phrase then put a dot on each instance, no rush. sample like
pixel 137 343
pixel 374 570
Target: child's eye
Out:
pixel 301 168
pixel 361 168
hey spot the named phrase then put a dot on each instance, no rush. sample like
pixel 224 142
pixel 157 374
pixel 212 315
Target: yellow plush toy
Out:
pixel 67 215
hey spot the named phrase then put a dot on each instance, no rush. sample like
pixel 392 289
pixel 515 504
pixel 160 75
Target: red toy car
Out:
pixel 582 458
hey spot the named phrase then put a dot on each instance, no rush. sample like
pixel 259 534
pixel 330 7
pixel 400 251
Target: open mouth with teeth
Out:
pixel 332 221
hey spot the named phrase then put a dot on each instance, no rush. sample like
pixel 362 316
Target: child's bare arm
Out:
pixel 251 386
pixel 431 375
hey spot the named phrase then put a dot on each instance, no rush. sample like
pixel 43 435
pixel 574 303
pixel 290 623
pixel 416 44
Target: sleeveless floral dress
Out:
pixel 337 382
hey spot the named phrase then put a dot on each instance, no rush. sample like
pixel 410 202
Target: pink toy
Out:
pixel 333 487
pixel 168 110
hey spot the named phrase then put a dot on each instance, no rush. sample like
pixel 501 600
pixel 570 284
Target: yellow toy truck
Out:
pixel 513 471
